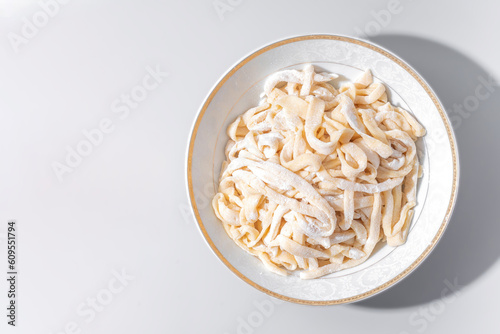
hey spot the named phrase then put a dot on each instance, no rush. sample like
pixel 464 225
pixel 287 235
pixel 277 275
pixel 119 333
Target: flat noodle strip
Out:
pixel 316 176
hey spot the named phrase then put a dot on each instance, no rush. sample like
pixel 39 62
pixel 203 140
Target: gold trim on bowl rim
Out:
pixel 431 94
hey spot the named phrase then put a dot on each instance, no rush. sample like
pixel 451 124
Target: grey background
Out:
pixel 125 206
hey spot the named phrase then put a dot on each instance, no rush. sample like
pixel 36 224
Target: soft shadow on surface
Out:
pixel 470 245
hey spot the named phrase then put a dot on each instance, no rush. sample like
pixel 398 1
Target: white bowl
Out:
pixel 239 89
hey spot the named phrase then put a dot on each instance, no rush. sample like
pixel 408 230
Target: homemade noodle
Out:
pixel 315 177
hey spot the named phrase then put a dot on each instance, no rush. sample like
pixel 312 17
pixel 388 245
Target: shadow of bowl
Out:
pixel 470 246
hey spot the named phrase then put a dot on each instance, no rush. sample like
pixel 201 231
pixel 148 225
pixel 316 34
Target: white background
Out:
pixel 124 207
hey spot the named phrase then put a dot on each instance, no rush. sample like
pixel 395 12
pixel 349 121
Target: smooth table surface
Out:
pixel 108 244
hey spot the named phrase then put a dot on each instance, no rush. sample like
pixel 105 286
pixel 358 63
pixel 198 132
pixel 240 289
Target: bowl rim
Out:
pixel 374 47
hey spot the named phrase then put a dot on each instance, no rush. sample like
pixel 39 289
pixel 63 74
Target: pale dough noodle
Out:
pixel 316 176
